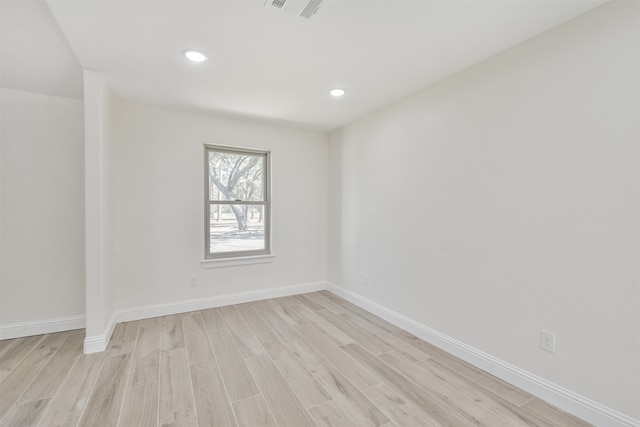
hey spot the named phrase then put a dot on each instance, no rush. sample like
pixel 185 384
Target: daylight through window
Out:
pixel 237 202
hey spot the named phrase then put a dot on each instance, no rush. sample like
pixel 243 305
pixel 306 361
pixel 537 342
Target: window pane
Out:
pixel 236 228
pixel 235 176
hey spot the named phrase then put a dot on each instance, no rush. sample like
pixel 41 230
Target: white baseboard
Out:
pixel 39 327
pixel 186 306
pixel 98 343
pixel 567 400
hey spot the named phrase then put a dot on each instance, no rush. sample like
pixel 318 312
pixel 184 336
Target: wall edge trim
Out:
pixel 185 306
pixel 98 343
pixel 39 327
pixel 565 399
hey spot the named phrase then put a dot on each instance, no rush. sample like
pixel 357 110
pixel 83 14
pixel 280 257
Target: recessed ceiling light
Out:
pixel 194 55
pixel 337 92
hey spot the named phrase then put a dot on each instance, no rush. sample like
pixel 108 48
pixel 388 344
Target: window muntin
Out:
pixel 237 208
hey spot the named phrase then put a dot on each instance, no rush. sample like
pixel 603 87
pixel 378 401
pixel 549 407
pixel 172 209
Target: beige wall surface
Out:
pixel 504 200
pixel 42 225
pixel 158 186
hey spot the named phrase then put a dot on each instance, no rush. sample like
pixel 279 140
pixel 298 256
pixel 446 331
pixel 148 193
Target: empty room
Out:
pixel 320 213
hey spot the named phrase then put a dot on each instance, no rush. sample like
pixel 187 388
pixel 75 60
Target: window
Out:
pixel 237 206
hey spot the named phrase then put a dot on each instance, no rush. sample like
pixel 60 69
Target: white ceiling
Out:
pixel 267 64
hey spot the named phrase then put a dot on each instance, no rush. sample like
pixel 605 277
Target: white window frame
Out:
pixel 223 259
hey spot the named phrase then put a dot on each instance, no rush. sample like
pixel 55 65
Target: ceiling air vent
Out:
pixel 304 8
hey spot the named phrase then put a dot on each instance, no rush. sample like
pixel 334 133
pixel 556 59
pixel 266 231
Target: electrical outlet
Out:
pixel 547 341
pixel 365 280
pixel 193 281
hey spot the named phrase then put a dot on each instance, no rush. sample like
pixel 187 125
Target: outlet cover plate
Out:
pixel 547 341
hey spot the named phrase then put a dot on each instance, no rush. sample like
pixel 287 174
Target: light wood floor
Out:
pixel 307 360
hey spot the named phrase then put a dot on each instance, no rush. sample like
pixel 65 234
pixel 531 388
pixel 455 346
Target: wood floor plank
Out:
pixel 272 343
pixel 251 317
pixel 552 415
pixel 425 347
pixel 401 412
pixel 285 312
pixel 172 333
pixel 346 305
pixel 482 396
pixel 355 372
pixel 48 381
pixel 16 382
pixel 146 357
pixel 282 400
pixel 314 359
pixel 503 389
pixel 176 405
pixel 25 414
pixel 496 385
pixel 330 414
pixel 375 320
pixel 433 407
pixel 402 340
pixel 16 349
pixel 459 402
pixel 325 302
pixel 6 343
pixel 212 319
pixel 405 349
pixel 276 322
pixel 232 319
pixel 288 301
pixel 309 302
pixel 244 338
pixel 440 357
pixel 304 311
pixel 253 412
pixel 140 408
pixel 361 410
pixel 103 407
pixel 124 338
pixel 299 378
pixel 368 341
pixel 195 338
pixel 239 382
pixel 333 333
pixel 212 404
pixel 74 393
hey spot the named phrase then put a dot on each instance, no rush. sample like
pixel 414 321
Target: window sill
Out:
pixel 230 262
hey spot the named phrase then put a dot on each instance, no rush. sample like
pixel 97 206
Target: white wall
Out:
pixel 504 200
pixel 42 225
pixel 100 289
pixel 159 205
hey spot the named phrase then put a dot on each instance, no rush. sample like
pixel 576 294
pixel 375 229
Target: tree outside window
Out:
pixel 237 203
